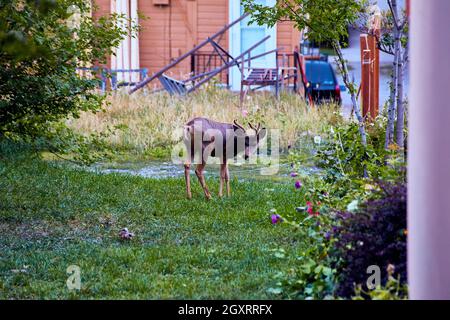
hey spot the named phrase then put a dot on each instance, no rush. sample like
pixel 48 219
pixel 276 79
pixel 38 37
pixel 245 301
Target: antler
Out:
pixel 238 125
pixel 257 128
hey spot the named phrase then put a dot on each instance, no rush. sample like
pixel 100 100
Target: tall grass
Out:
pixel 145 123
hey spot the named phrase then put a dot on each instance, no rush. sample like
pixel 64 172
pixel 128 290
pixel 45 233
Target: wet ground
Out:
pixel 166 169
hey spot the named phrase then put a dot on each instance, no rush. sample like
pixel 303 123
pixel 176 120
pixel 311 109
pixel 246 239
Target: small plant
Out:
pixel 393 290
pixel 313 276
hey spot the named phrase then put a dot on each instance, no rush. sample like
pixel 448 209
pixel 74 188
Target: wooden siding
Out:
pixel 212 16
pixel 288 38
pixel 170 31
pixel 101 7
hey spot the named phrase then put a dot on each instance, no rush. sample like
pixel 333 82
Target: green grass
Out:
pixel 52 216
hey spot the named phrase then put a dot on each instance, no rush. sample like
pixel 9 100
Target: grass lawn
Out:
pixel 53 216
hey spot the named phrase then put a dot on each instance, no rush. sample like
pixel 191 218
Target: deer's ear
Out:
pixel 262 134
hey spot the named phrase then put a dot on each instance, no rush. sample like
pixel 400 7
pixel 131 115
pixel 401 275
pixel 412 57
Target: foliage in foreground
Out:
pixel 374 235
pixel 335 264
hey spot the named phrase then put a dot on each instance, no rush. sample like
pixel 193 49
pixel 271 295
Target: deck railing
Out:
pixel 202 62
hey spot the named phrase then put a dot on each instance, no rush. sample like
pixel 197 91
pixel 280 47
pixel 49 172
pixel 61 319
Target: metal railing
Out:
pixel 202 62
pixel 113 78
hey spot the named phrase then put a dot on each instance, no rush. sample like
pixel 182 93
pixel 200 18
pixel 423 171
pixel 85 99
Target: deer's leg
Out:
pixel 201 179
pixel 223 171
pixel 227 179
pixel 187 176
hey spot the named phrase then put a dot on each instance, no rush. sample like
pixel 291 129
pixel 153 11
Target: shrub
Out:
pixel 39 53
pixel 374 235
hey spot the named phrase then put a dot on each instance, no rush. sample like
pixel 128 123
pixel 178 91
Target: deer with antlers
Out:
pixel 206 138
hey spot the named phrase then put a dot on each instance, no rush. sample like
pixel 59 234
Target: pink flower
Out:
pixel 298 184
pixel 244 113
pixel 310 209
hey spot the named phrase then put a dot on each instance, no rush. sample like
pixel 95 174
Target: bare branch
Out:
pixel 393 8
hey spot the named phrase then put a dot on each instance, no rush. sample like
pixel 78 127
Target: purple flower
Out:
pixel 298 184
pixel 294 174
pixel 276 219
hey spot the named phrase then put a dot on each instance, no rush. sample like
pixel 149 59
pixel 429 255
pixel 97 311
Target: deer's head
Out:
pixel 250 140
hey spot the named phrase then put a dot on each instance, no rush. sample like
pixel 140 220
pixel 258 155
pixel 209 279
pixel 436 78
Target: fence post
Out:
pixel 374 76
pixel 365 75
pixel 370 70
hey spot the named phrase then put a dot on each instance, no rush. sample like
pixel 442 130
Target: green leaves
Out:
pixel 326 20
pixel 39 54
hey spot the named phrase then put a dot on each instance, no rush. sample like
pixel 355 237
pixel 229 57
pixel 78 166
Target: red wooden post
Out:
pixel 376 33
pixel 374 77
pixel 365 75
pixel 370 71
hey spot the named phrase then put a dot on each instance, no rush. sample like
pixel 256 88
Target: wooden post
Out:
pixel 429 152
pixel 374 77
pixel 375 35
pixel 365 75
pixel 370 70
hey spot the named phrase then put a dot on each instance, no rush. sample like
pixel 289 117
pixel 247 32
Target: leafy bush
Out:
pixel 348 175
pixel 374 235
pixel 348 167
pixel 39 53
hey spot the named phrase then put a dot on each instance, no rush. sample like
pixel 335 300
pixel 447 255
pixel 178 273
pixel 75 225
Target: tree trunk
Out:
pixel 392 104
pixel 398 31
pixel 351 88
pixel 400 105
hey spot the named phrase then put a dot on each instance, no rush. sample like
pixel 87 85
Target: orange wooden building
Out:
pixel 173 27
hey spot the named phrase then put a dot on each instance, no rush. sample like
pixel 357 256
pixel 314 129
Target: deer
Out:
pixel 206 138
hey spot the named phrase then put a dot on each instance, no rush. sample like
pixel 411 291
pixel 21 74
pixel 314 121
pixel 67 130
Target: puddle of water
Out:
pixel 164 170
